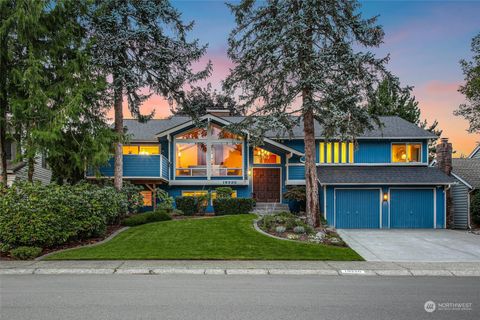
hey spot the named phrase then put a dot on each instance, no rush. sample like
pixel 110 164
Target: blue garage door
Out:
pixel 357 208
pixel 411 208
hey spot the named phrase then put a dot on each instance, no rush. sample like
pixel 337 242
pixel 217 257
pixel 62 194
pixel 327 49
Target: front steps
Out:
pixel 263 208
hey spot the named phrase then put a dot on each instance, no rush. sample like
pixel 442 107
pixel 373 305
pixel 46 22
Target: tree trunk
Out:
pixel 311 183
pixel 118 101
pixel 31 168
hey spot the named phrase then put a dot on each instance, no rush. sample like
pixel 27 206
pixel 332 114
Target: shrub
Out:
pixel 280 229
pixel 147 217
pixel 25 253
pixel 233 206
pixel 298 196
pixel 224 192
pixel 475 208
pixel 187 205
pixel 299 230
pixel 43 216
pixel 165 201
pixel 134 198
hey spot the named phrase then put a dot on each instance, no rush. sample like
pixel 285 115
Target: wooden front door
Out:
pixel 266 184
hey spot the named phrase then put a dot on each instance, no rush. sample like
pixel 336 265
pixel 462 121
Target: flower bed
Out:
pixel 288 226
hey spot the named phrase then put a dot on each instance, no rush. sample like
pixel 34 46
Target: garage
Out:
pixel 412 208
pixel 357 208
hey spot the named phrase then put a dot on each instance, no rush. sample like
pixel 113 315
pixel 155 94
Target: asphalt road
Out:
pixel 234 297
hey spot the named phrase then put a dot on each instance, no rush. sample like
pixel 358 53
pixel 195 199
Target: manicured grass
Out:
pixel 227 237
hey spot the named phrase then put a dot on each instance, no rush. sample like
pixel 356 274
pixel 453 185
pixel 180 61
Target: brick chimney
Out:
pixel 444 156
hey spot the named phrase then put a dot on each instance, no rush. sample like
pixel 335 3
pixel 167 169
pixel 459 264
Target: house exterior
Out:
pixel 18 171
pixel 467 174
pixel 381 181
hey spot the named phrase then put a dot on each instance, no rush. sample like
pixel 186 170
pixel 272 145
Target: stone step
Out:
pixel 270 208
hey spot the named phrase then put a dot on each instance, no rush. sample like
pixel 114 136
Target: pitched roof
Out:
pixel 13 167
pixel 414 175
pixel 468 170
pixel 393 127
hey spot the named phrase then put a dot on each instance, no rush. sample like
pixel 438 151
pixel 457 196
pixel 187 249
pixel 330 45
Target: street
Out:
pixel 236 297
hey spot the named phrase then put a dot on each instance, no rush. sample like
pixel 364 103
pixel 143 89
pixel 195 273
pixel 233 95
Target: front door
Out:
pixel 266 184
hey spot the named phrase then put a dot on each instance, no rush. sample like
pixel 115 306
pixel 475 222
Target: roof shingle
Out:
pixel 468 170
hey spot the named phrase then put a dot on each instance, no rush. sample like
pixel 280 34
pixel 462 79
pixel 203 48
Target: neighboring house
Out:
pixel 18 171
pixel 383 181
pixel 467 173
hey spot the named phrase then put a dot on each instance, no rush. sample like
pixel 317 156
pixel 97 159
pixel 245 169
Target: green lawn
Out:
pixel 228 237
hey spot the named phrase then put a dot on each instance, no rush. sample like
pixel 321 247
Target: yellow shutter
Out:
pixel 336 152
pixel 329 152
pixel 344 152
pixel 350 152
pixel 322 152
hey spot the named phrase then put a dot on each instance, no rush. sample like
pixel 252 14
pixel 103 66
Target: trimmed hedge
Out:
pixel 188 205
pixel 44 216
pixel 26 253
pixel 475 208
pixel 233 206
pixel 147 217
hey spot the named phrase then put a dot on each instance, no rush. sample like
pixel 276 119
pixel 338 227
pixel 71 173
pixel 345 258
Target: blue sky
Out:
pixel 425 40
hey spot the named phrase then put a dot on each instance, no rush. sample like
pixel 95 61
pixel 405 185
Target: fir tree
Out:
pixel 297 58
pixel 142 45
pixel 471 89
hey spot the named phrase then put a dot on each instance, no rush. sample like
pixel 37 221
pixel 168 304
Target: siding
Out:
pixel 372 152
pixel 459 194
pixel 296 173
pixel 43 175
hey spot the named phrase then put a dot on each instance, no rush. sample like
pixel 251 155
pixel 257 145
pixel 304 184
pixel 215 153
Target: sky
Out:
pixel 425 41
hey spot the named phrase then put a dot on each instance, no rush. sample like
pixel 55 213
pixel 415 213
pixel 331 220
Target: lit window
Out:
pixel 191 159
pixel 226 159
pixel 336 152
pixel 141 149
pixel 147 198
pixel 194 193
pixel 406 152
pixel 214 194
pixel 262 156
pixel 198 133
pixel 217 132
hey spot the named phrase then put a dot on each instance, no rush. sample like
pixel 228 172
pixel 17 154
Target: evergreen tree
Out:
pixel 471 88
pixel 142 45
pixel 198 100
pixel 303 51
pixel 390 99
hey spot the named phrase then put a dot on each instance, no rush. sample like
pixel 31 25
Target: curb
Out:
pixel 110 237
pixel 246 271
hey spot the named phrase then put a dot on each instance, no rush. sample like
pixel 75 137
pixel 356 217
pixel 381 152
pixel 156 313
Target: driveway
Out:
pixel 414 245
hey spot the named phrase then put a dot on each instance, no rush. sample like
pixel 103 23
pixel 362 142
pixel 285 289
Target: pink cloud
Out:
pixel 438 87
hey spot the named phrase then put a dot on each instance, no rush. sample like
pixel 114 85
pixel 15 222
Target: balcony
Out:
pixel 140 166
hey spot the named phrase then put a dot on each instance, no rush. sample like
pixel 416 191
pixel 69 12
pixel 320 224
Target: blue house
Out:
pixel 381 181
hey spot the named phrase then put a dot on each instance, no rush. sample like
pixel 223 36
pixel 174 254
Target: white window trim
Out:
pixel 406 149
pixel 208 140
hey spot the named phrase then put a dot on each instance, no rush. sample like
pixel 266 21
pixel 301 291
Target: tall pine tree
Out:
pixel 471 89
pixel 297 58
pixel 142 45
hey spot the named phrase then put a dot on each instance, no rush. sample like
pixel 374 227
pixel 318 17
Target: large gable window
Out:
pixel 406 152
pixel 208 152
pixel 336 152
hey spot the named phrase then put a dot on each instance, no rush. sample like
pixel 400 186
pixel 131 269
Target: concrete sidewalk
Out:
pixel 158 267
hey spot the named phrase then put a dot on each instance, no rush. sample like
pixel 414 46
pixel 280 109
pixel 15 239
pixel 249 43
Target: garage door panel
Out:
pixel 357 208
pixel 411 208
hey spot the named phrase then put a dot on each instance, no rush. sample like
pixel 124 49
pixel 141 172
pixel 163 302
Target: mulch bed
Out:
pixel 72 244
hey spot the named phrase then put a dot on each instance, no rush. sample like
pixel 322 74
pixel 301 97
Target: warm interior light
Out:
pixel 249 172
pixel 385 197
pixel 404 156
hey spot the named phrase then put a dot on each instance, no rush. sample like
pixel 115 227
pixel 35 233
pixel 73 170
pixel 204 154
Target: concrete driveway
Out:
pixel 414 245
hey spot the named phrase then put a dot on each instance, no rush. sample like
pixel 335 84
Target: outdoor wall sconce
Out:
pixel 385 196
pixel 249 172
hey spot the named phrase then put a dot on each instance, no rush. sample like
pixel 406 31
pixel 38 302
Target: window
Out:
pixel 226 159
pixel 336 152
pixel 191 159
pixel 8 149
pixel 141 149
pixel 194 193
pixel 406 152
pixel 147 198
pixel 211 151
pixel 214 194
pixel 261 156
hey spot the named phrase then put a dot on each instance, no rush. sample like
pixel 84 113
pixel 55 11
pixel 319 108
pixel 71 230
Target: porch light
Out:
pixel 385 196
pixel 249 172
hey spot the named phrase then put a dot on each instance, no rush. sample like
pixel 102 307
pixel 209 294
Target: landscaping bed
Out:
pixel 289 226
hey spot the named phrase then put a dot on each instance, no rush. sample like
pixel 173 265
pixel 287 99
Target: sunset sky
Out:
pixel 425 41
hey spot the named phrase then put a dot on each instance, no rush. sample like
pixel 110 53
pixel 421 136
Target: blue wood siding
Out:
pixel 296 173
pixel 138 166
pixel 372 152
pixel 357 208
pixel 440 197
pixel 411 208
